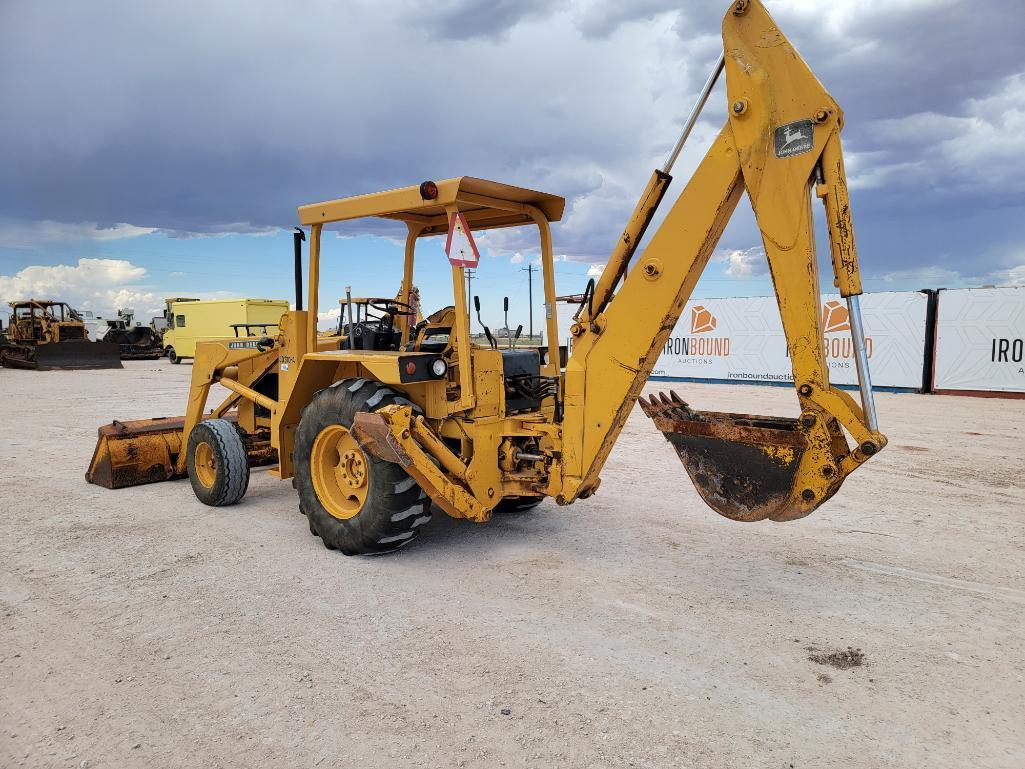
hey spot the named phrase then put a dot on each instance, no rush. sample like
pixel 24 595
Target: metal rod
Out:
pixel 249 393
pixel 297 240
pixel 522 456
pixel 348 309
pixel 868 404
pixel 689 126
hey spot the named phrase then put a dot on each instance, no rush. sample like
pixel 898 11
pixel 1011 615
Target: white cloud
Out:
pixel 1016 275
pixel 972 152
pixel 516 258
pixel 746 263
pixel 102 285
pixel 927 277
pixel 18 234
pixel 328 319
pixel 595 270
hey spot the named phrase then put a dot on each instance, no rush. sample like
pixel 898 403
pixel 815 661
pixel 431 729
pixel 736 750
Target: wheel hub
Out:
pixel 352 469
pixel 339 471
pixel 206 465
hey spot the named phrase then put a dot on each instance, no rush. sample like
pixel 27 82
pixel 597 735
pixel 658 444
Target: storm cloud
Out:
pixel 199 117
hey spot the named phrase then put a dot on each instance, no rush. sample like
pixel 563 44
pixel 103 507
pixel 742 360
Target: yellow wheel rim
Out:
pixel 206 467
pixel 339 471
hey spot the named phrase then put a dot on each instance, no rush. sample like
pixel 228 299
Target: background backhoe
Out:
pixel 372 436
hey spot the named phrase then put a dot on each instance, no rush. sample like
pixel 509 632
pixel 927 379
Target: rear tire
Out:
pixel 217 463
pixel 355 502
pixel 173 356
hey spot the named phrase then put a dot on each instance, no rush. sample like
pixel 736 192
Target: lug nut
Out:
pixel 740 106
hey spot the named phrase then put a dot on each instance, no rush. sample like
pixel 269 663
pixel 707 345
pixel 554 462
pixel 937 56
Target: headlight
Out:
pixel 439 367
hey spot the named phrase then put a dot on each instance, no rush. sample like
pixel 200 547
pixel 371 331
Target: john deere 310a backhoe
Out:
pixel 371 437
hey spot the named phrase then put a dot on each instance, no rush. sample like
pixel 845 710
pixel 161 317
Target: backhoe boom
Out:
pixel 781 138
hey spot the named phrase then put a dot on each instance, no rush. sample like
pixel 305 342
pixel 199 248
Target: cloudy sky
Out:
pixel 150 149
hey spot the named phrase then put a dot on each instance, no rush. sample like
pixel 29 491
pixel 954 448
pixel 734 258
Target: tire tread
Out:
pixel 233 462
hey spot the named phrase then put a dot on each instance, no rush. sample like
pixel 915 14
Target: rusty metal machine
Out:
pixel 373 436
pixel 137 342
pixel 44 334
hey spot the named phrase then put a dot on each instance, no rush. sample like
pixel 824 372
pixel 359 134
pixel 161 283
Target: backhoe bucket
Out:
pixel 77 354
pixel 138 452
pixel 743 466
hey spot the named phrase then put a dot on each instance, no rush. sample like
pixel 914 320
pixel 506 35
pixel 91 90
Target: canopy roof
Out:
pixel 485 205
pixel 37 302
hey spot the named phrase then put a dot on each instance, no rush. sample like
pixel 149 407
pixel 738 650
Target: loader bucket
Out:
pixel 77 354
pixel 743 466
pixel 138 452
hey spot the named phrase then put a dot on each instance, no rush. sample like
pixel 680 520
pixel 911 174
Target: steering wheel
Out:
pixel 391 307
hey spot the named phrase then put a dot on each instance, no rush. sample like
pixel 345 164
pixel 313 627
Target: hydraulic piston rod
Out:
pixel 649 201
pixel 868 403
pixel 695 113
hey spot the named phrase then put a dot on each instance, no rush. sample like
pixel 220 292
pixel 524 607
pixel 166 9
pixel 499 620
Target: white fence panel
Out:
pixel 980 340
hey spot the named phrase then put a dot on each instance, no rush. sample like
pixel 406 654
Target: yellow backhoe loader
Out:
pixel 372 436
pixel 44 334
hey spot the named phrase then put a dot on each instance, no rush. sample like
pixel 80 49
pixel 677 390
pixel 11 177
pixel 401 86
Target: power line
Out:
pixel 529 269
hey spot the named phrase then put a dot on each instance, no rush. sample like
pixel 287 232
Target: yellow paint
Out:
pixel 782 454
pixel 206 467
pixel 340 472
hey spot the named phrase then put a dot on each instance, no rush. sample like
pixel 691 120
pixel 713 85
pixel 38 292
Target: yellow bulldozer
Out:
pixel 372 435
pixel 44 334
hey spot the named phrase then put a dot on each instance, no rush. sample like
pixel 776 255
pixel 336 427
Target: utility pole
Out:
pixel 470 275
pixel 529 269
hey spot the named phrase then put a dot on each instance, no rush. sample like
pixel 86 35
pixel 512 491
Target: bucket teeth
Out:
pixel 669 406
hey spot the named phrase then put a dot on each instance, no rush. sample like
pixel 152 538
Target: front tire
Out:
pixel 217 463
pixel 173 356
pixel 355 502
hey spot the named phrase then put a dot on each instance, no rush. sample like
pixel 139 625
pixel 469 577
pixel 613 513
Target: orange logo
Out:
pixel 701 320
pixel 835 317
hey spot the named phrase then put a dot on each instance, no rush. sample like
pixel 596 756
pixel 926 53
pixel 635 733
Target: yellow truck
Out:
pixel 194 320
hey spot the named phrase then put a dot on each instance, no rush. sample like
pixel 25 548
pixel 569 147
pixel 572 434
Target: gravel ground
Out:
pixel 139 628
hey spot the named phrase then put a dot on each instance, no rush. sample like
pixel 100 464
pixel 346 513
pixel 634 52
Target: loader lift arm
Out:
pixel 782 137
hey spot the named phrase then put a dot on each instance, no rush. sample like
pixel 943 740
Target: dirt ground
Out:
pixel 139 628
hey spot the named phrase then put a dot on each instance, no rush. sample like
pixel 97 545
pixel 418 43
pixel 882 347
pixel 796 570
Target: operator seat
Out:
pixel 435 333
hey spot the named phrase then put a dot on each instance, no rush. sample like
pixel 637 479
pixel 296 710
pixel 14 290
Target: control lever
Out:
pixel 487 331
pixel 505 304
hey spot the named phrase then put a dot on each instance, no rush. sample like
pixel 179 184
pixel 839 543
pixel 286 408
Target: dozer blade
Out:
pixel 138 452
pixel 743 466
pixel 77 354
